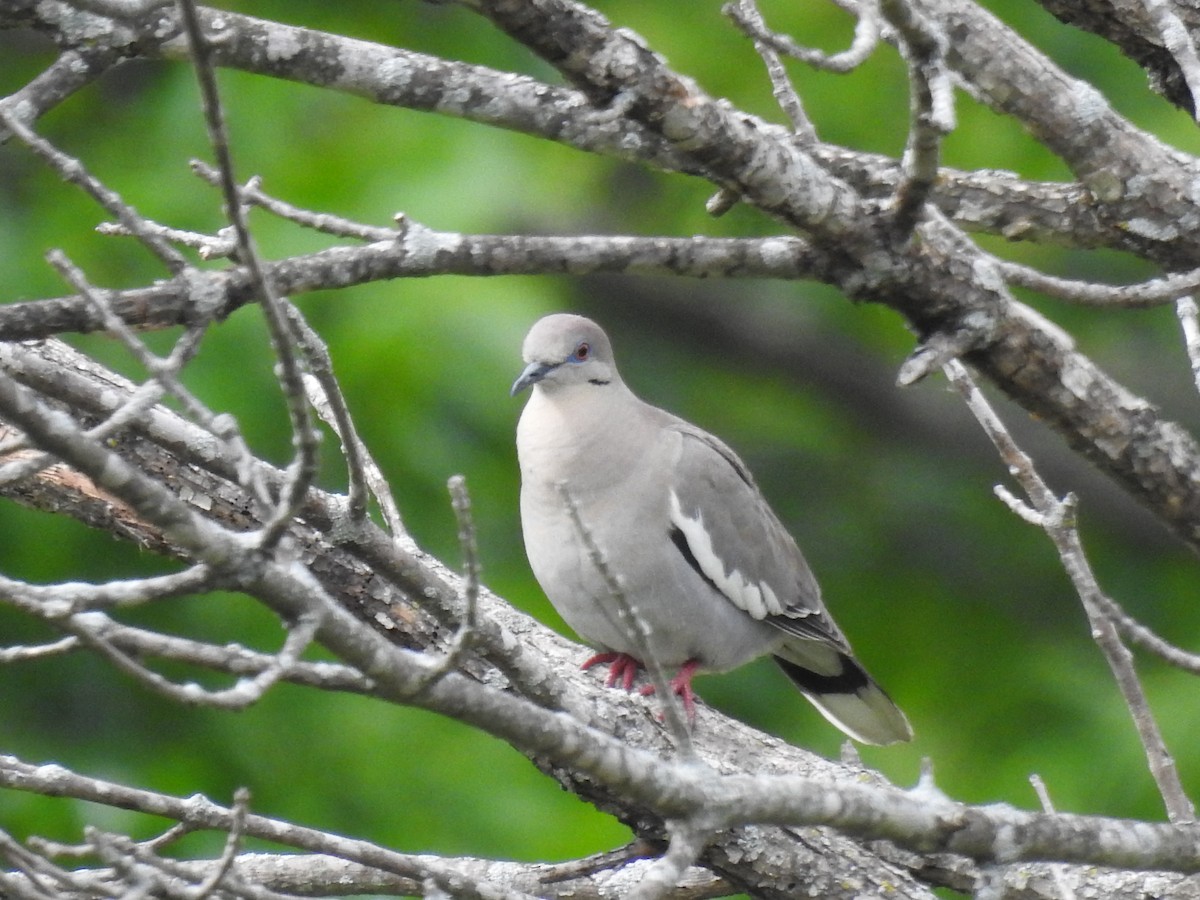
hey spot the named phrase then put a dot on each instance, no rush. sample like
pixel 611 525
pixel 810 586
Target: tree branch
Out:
pixel 1057 518
pixel 651 784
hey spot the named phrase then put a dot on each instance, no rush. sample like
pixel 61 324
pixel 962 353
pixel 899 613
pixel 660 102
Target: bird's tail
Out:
pixel 843 692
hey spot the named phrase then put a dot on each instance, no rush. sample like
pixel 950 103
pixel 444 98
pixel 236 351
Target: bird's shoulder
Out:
pixel 704 460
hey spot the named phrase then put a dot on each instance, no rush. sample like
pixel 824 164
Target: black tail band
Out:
pixel 850 680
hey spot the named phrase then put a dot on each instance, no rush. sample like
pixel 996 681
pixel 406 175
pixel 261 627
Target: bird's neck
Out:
pixel 560 430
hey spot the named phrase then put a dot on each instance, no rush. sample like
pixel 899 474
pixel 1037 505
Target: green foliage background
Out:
pixel 960 609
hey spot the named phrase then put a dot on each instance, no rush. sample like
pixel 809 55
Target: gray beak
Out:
pixel 534 372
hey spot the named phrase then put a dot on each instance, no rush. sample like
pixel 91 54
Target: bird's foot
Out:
pixel 681 686
pixel 622 668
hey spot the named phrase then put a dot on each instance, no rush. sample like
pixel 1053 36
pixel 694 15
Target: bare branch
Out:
pixel 66 598
pixel 40 876
pixel 388 612
pixel 233 843
pixel 227 658
pixel 248 690
pixel 74 70
pixel 747 16
pixel 1180 44
pixel 418 252
pixel 686 844
pixel 305 437
pixel 1189 321
pixel 1140 636
pixel 931 108
pixel 606 759
pixel 1060 879
pixel 325 395
pixel 469 621
pixel 260 875
pixel 376 561
pixel 1057 518
pixel 987 833
pixel 995 201
pixel 198 812
pixel 21 653
pixel 1076 123
pixel 327 223
pixel 866 36
pixel 1155 292
pixel 74 172
pixel 165 375
pixel 218 246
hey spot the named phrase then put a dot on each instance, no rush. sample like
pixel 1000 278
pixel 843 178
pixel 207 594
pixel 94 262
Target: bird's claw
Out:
pixel 623 669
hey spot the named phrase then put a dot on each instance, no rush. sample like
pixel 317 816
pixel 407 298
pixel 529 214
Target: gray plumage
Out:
pixel 713 573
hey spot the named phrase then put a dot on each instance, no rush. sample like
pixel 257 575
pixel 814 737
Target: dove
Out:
pixel 709 570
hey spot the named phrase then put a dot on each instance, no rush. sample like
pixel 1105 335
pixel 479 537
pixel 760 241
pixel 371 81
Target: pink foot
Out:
pixel 621 667
pixel 681 686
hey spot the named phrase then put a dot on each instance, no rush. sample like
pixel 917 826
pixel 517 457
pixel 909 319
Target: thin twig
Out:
pixel 74 172
pixel 1154 292
pixel 176 832
pixel 305 437
pixel 228 658
pixel 246 692
pixel 1179 44
pixel 686 843
pixel 1058 871
pixel 635 628
pixel 1146 639
pixel 866 37
pixel 209 246
pixel 326 223
pixel 418 252
pixel 1189 321
pixel 23 653
pixel 468 544
pixel 747 16
pixel 233 845
pixel 66 598
pixel 931 109
pixel 325 395
pixel 73 70
pixel 466 632
pixel 165 374
pixel 31 865
pixel 199 813
pixel 1057 518
pixel 358 460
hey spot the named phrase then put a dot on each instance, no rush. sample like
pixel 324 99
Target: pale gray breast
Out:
pixel 624 499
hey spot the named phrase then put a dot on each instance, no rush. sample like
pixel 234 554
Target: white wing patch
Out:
pixel 755 598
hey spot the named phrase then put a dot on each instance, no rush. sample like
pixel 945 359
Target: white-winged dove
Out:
pixel 711 572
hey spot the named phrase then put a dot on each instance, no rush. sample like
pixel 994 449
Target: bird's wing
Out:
pixel 723 525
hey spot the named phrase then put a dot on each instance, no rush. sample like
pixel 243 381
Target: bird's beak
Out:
pixel 534 372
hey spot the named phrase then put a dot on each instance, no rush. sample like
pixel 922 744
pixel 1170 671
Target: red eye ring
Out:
pixel 583 351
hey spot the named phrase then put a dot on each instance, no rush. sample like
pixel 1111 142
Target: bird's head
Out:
pixel 563 350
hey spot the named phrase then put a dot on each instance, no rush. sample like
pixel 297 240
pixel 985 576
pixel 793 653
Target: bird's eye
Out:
pixel 582 352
